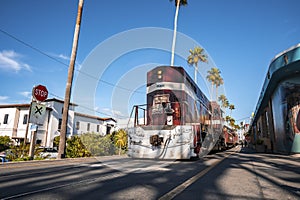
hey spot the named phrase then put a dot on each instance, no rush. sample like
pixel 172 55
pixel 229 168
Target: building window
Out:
pixel 108 130
pixel 59 124
pixel 98 128
pixel 5 119
pixel 77 125
pixel 88 127
pixel 25 119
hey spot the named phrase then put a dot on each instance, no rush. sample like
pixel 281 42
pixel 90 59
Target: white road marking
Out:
pixel 180 188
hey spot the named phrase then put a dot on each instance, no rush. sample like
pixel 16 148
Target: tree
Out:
pixel 215 78
pixel 211 78
pixel 120 139
pixel 231 107
pixel 227 118
pixel 219 81
pixel 195 56
pixel 237 127
pixel 232 122
pixel 5 142
pixel 75 148
pixel 224 101
pixel 178 3
pixel 98 145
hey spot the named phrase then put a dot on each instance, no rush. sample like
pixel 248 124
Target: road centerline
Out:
pixel 180 188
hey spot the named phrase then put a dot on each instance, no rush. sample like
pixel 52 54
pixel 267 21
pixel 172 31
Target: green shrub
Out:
pixel 5 143
pixel 98 145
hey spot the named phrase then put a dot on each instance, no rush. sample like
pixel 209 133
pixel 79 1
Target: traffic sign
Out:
pixel 40 93
pixel 37 113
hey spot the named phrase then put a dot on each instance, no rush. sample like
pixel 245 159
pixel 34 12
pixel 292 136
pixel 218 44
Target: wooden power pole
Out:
pixel 64 125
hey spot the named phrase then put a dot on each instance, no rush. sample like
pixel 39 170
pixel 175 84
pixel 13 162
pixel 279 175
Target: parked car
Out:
pixel 48 153
pixel 4 155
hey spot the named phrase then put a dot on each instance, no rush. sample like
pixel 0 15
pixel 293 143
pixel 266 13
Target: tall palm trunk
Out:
pixel 212 91
pixel 120 147
pixel 216 93
pixel 196 71
pixel 175 32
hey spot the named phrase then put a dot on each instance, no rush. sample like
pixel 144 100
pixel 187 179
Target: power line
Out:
pixel 88 108
pixel 32 47
pixel 64 64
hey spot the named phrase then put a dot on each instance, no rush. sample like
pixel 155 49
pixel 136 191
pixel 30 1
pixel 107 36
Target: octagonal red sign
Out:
pixel 40 93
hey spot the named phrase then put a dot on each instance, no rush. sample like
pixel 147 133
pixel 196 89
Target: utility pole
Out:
pixel 64 125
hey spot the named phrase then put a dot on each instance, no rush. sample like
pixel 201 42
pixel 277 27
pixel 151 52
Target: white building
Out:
pixel 14 122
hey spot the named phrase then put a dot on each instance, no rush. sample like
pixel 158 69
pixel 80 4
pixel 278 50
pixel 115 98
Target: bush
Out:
pixel 120 139
pixel 75 148
pixel 18 153
pixel 98 145
pixel 5 142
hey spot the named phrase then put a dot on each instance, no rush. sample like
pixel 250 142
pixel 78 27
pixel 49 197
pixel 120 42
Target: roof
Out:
pixel 60 101
pixel 19 106
pixel 94 117
pixel 24 105
pixel 285 51
pixel 14 105
pixel 284 66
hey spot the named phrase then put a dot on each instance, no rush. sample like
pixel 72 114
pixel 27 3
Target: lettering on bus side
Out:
pixel 178 134
pixel 140 134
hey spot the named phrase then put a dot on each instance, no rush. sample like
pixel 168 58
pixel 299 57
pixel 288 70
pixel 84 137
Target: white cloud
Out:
pixel 63 57
pixel 113 113
pixel 25 94
pixel 3 98
pixel 9 60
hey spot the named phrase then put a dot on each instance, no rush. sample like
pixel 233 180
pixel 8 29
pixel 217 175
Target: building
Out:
pixel 275 125
pixel 14 120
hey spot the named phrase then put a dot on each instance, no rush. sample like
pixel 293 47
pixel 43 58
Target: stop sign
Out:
pixel 40 93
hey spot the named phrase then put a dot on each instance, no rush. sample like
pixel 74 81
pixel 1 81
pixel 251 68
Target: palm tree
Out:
pixel 222 98
pixel 211 78
pixel 219 81
pixel 227 118
pixel 121 139
pixel 224 101
pixel 178 3
pixel 215 78
pixel 232 122
pixel 195 56
pixel 231 107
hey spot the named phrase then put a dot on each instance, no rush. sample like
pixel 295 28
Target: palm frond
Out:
pixel 182 2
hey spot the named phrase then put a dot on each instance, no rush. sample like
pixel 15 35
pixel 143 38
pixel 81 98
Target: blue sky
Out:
pixel 240 36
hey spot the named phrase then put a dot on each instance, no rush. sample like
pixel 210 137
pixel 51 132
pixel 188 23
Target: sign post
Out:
pixel 37 113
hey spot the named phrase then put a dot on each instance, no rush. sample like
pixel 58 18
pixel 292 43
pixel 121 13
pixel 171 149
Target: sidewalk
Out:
pixel 278 175
pixel 246 174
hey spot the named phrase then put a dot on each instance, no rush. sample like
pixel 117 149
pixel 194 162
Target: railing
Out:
pixel 135 112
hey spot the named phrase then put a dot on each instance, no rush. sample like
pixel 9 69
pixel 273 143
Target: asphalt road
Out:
pixel 226 175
